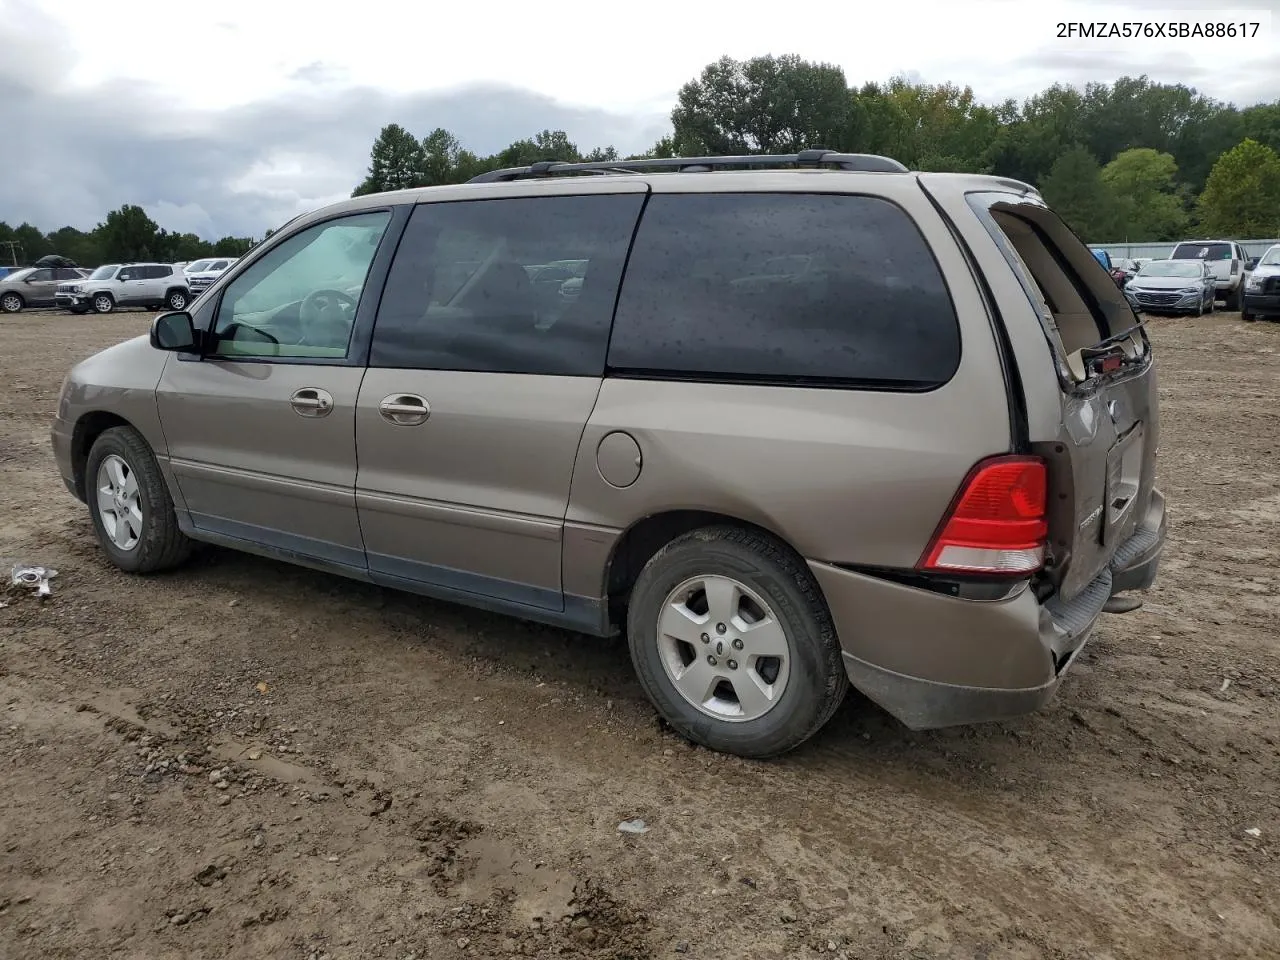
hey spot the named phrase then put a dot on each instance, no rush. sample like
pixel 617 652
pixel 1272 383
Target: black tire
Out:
pixel 177 300
pixel 1248 316
pixel 817 683
pixel 11 303
pixel 161 545
pixel 103 303
pixel 78 311
pixel 1232 301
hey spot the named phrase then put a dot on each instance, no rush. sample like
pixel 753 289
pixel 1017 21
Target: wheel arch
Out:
pixel 88 428
pixel 646 536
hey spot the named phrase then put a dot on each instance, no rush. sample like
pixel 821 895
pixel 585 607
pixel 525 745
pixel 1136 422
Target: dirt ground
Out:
pixel 246 759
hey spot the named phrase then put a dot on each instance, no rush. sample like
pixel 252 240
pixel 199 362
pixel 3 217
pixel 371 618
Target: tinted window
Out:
pixel 784 287
pixel 66 273
pixel 1202 251
pixel 300 298
pixel 476 285
pixel 154 272
pixel 217 265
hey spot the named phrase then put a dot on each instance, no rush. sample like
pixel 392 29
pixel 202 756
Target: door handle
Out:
pixel 404 409
pixel 311 402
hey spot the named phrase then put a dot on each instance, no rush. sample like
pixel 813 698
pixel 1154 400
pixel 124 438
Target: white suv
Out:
pixel 152 285
pixel 1226 260
pixel 202 273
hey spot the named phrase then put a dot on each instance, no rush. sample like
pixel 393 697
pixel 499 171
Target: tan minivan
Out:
pixel 788 423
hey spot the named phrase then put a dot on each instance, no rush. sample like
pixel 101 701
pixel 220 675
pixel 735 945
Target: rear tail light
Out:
pixel 996 524
pixel 1235 267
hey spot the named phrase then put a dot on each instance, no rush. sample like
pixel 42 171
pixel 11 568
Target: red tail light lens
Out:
pixel 996 524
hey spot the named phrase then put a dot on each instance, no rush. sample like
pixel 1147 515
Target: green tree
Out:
pixel 396 162
pixel 763 105
pixel 128 234
pixel 1242 196
pixel 1076 191
pixel 1143 181
pixel 440 150
pixel 941 127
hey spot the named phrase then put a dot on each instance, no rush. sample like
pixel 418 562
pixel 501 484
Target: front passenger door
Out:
pixel 261 429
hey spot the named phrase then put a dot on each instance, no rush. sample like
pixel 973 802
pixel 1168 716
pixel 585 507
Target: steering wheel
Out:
pixel 325 317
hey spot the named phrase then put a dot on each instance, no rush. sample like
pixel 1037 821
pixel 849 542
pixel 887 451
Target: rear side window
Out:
pixel 1202 251
pixel 481 285
pixel 785 288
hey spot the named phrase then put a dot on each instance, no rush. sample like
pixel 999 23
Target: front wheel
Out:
pixel 103 303
pixel 130 505
pixel 1247 315
pixel 1232 301
pixel 733 644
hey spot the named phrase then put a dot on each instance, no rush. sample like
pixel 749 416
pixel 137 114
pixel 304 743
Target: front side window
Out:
pixel 300 299
pixel 520 285
pixel 784 288
pixel 40 276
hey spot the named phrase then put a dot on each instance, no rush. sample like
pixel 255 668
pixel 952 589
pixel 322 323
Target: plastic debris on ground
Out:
pixel 633 826
pixel 37 578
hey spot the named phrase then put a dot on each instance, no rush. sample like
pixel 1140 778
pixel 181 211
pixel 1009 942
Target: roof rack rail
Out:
pixel 865 162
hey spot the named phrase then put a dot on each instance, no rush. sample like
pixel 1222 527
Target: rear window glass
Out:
pixel 784 288
pixel 1202 251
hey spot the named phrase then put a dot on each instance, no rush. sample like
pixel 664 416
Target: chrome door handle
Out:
pixel 311 402
pixel 404 409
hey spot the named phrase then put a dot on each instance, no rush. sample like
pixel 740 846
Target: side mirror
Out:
pixel 1251 263
pixel 175 332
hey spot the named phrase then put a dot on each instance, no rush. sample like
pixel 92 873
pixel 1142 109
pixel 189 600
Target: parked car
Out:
pixel 209 271
pixel 1173 286
pixel 1227 261
pixel 1123 270
pixel 1262 289
pixel 34 286
pixel 152 285
pixel 904 470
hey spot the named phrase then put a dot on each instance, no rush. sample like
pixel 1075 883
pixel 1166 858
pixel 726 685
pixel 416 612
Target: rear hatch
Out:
pixel 1219 257
pixel 1089 404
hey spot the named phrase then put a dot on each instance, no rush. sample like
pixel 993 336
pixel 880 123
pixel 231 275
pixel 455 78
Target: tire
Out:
pixel 78 311
pixel 11 303
pixel 103 303
pixel 1248 316
pixel 810 675
pixel 176 300
pixel 157 543
pixel 1232 301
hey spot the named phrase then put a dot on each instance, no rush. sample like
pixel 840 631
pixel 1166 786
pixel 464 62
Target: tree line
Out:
pixel 126 235
pixel 1133 160
pixel 1128 161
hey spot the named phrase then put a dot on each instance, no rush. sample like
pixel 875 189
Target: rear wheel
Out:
pixel 177 300
pixel 11 303
pixel 130 505
pixel 733 644
pixel 103 303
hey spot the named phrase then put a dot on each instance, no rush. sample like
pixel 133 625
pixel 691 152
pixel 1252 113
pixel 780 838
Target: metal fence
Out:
pixel 1161 251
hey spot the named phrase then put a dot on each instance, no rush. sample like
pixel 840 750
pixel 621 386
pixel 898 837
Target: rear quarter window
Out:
pixel 784 288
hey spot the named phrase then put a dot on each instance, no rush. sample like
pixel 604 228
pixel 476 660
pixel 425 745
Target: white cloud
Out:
pixel 621 57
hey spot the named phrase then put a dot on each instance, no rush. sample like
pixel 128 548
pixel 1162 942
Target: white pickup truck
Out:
pixel 1226 260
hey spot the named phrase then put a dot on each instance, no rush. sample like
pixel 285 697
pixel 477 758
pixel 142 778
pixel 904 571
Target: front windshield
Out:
pixel 102 273
pixel 18 274
pixel 1271 258
pixel 197 266
pixel 1171 268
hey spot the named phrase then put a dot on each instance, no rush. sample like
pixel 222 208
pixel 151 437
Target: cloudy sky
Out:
pixel 232 116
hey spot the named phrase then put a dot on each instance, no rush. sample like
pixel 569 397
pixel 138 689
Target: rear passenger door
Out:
pixel 479 385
